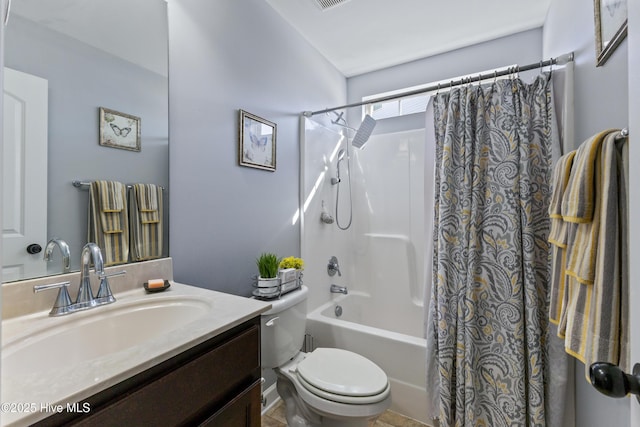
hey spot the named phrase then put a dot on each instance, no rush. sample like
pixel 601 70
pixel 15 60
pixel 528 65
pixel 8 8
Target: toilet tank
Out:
pixel 283 328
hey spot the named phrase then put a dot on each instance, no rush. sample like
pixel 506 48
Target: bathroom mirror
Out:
pixel 88 54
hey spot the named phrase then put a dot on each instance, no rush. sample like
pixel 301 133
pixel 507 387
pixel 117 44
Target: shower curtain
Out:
pixel 488 319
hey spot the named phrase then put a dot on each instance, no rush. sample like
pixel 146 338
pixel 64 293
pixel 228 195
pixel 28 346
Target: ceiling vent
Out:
pixel 328 4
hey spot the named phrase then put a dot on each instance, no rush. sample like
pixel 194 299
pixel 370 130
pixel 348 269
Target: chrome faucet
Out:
pixel 85 299
pixel 64 250
pixel 335 289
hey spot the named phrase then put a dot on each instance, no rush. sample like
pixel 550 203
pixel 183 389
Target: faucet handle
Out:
pixel 105 296
pixel 63 300
pixel 333 267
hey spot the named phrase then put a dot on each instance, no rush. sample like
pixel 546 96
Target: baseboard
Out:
pixel 270 398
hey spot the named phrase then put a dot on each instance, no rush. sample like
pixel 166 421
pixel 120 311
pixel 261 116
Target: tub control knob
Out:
pixel 333 267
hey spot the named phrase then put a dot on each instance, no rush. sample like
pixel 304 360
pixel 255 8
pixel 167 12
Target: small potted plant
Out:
pixel 290 269
pixel 268 266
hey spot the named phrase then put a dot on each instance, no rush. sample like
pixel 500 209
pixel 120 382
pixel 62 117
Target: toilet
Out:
pixel 326 387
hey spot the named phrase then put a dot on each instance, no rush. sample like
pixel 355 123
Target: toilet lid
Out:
pixel 342 372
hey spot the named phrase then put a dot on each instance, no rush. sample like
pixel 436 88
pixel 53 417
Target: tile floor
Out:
pixel 275 418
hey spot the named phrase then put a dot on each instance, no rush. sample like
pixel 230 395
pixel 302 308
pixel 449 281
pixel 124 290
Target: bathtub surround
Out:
pixel 488 316
pixel 381 254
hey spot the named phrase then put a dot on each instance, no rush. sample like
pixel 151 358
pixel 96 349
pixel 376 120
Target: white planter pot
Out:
pixel 269 286
pixel 268 283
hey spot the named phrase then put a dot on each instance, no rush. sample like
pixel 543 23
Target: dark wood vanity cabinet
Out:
pixel 216 383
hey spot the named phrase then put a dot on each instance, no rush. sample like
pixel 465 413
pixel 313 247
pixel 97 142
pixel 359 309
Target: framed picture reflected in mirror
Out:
pixel 119 130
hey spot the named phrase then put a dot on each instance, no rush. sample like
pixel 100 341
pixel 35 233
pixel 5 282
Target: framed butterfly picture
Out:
pixel 257 148
pixel 119 130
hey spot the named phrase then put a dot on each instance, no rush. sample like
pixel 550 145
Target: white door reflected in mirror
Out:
pixel 24 174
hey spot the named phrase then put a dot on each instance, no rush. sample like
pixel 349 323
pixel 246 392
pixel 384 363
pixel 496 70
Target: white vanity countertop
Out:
pixel 25 397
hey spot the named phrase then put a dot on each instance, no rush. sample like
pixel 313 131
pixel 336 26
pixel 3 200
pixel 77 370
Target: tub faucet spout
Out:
pixel 335 289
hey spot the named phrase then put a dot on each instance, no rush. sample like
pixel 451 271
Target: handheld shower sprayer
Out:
pixel 337 179
pixel 362 135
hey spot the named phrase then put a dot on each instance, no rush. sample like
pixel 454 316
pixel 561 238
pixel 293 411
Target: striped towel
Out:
pixel 558 238
pixel 108 224
pixel 578 204
pixel 145 201
pixel 581 205
pixel 593 327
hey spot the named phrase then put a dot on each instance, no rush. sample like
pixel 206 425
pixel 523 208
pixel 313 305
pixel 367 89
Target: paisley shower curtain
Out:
pixel 488 316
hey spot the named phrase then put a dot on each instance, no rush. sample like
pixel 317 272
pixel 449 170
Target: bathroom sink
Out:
pixel 55 344
pixel 64 360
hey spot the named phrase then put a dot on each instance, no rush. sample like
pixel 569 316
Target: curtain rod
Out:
pixel 561 60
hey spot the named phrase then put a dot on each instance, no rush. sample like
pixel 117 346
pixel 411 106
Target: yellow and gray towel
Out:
pixel 108 224
pixel 145 212
pixel 558 239
pixel 591 308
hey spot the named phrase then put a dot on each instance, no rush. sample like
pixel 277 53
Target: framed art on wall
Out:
pixel 257 142
pixel 611 27
pixel 119 130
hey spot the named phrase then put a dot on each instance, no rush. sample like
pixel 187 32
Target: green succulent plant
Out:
pixel 268 265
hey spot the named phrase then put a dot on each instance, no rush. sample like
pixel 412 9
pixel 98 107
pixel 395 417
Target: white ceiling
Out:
pixel 132 30
pixel 358 36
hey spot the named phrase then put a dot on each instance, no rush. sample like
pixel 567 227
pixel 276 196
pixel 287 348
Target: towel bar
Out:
pixel 624 133
pixel 83 185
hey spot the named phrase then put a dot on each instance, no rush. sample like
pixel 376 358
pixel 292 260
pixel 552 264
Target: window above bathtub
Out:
pixel 416 103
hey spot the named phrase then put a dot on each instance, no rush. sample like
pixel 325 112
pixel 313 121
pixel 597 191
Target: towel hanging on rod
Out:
pixel 84 185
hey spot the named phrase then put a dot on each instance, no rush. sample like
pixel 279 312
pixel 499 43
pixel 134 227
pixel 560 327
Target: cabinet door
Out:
pixel 186 395
pixel 243 411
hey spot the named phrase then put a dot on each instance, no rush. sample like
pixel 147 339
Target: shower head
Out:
pixel 341 154
pixel 364 132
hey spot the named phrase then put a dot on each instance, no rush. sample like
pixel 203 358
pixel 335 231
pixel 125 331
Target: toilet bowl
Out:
pixel 325 387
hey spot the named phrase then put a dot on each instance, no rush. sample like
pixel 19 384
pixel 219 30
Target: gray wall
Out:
pixel 520 48
pixel 226 55
pixel 82 79
pixel 601 102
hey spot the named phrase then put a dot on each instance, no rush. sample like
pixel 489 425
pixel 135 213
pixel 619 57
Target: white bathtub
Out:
pixel 389 341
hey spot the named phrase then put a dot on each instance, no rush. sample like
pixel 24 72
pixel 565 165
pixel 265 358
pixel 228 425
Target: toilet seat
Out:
pixel 330 407
pixel 342 376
